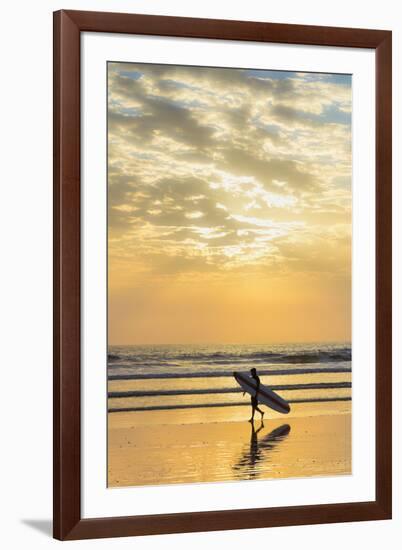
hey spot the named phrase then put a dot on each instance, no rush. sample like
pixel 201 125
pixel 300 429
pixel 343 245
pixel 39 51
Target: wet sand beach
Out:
pixel 209 445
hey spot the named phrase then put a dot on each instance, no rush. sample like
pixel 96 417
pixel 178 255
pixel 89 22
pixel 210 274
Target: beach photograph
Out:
pixel 229 274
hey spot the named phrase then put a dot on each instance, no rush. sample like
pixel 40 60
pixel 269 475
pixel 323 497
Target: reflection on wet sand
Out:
pixel 206 445
pixel 259 450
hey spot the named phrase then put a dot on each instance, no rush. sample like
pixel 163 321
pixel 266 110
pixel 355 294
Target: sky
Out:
pixel 229 205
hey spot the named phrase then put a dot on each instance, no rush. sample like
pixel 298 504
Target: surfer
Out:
pixel 254 398
pixel 261 395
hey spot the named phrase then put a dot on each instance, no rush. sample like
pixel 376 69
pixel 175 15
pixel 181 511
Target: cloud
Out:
pixel 218 170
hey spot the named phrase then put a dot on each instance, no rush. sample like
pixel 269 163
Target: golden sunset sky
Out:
pixel 229 205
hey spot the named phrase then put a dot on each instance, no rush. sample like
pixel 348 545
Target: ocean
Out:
pixel 173 377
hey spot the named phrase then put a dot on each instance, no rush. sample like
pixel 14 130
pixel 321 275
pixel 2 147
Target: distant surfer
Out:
pixel 260 394
pixel 254 398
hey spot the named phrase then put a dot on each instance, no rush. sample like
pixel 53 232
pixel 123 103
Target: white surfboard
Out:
pixel 265 395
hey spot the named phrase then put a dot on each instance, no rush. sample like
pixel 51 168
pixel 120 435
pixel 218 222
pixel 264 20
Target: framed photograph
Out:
pixel 222 274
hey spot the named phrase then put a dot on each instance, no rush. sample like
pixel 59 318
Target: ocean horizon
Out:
pixel 170 376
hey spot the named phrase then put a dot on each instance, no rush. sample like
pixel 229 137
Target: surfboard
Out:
pixel 265 395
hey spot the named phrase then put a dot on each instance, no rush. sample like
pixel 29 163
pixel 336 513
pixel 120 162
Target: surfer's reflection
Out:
pixel 259 449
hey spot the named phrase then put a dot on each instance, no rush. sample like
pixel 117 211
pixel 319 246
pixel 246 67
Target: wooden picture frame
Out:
pixel 68 523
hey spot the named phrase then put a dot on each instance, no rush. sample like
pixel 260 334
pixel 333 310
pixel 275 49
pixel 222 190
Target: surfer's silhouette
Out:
pixel 254 398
